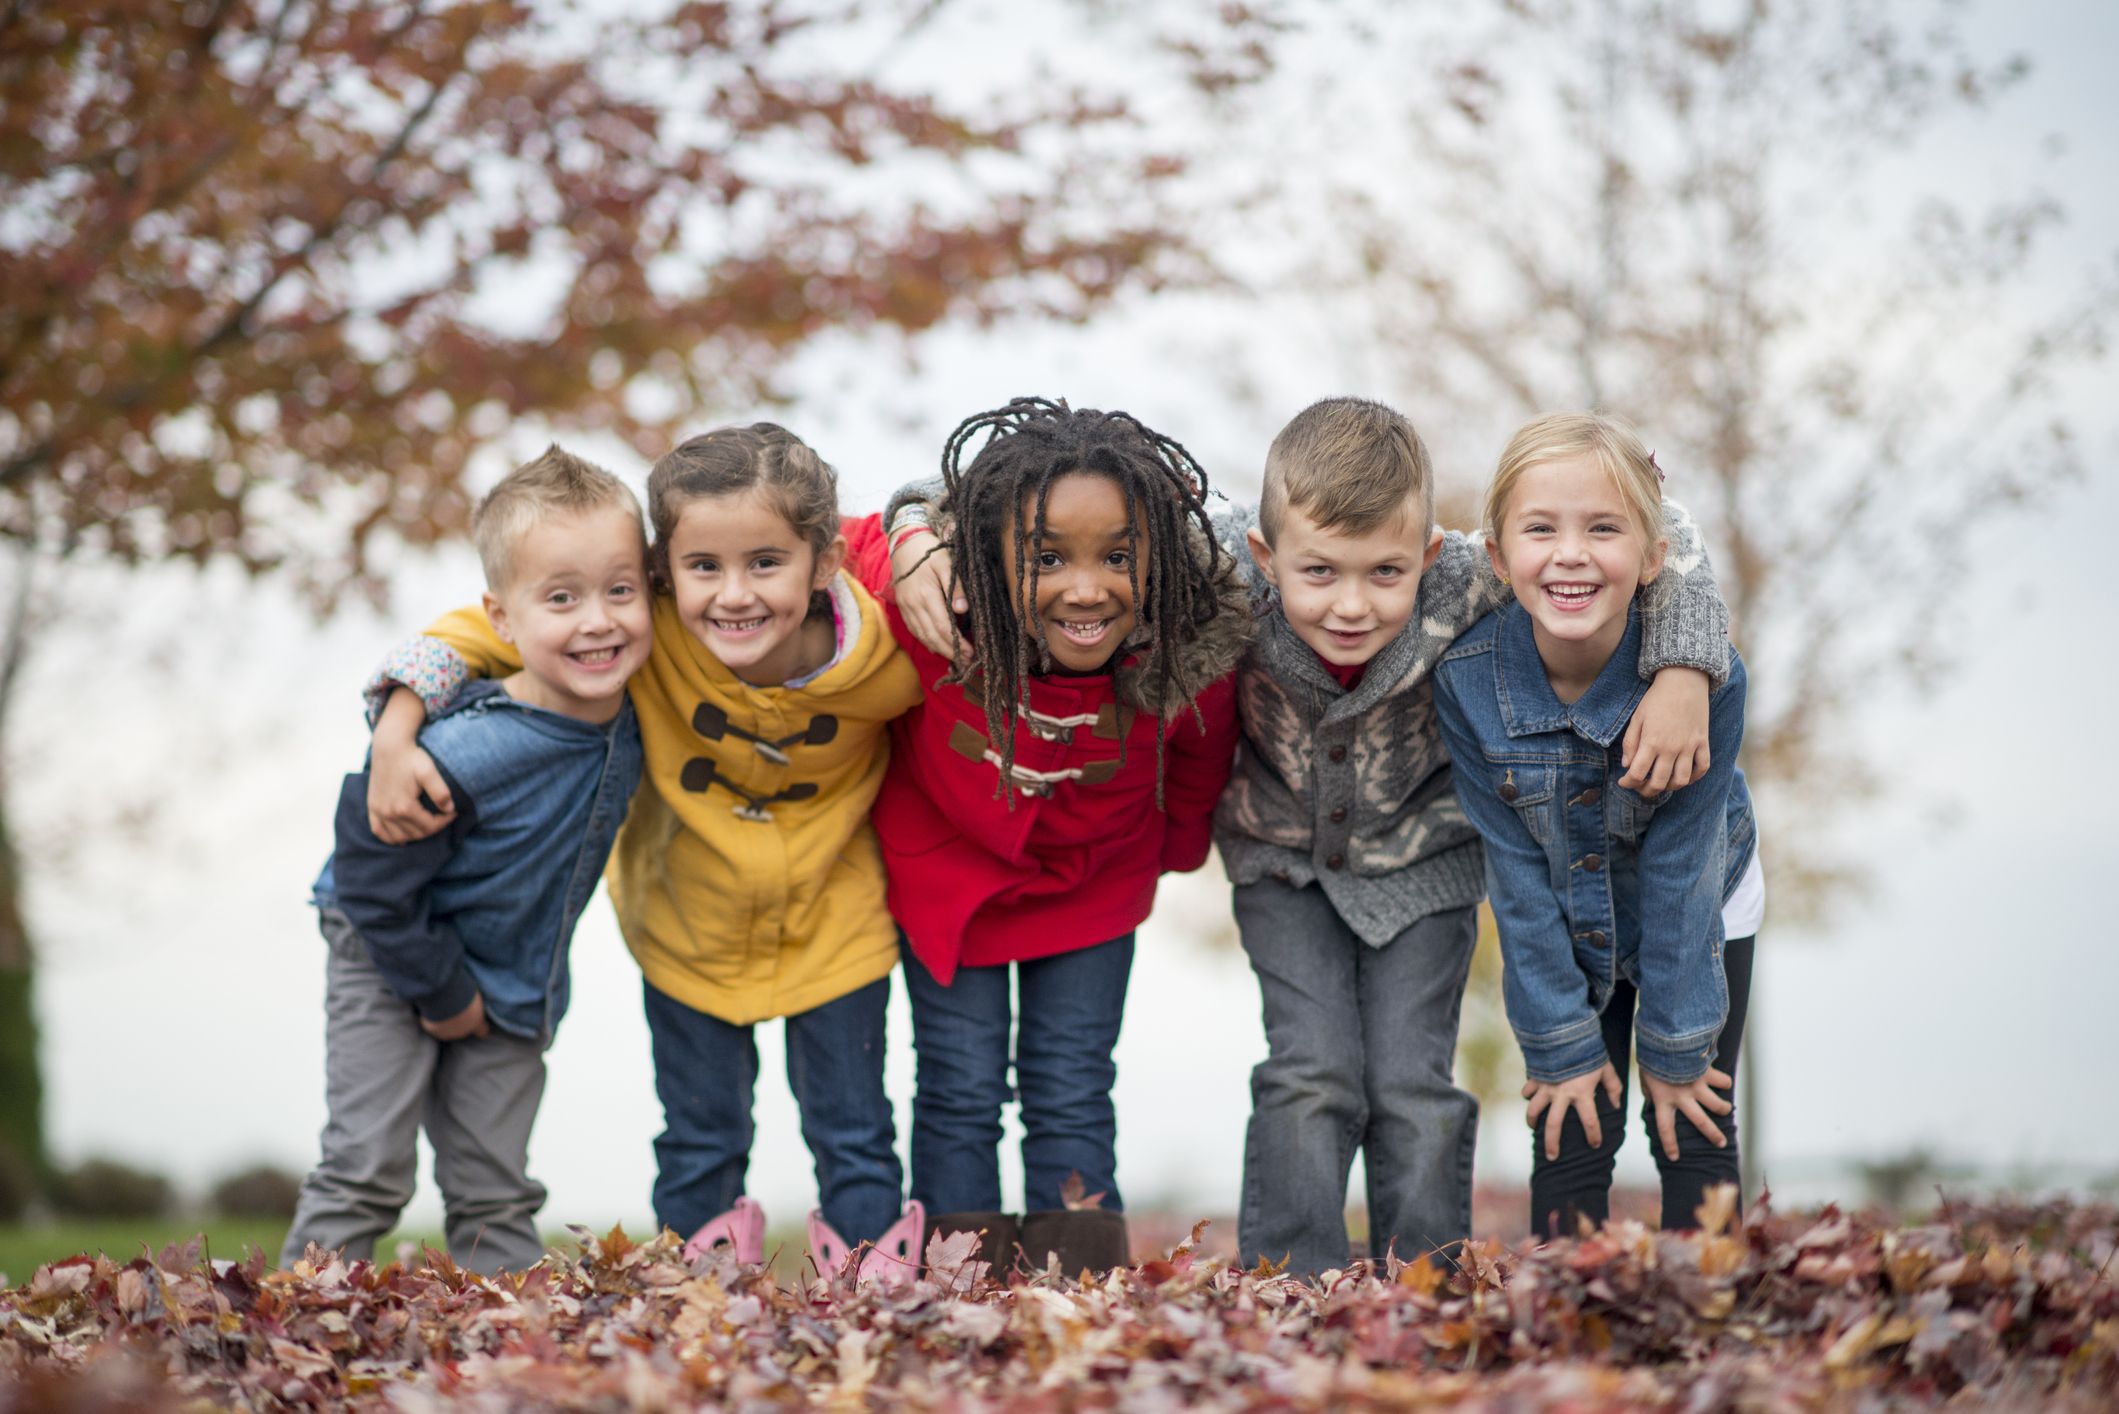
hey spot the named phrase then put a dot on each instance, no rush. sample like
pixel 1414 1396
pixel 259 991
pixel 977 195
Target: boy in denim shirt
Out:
pixel 1356 873
pixel 448 957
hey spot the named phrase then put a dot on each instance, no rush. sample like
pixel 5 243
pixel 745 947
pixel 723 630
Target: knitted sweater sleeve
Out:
pixel 1684 623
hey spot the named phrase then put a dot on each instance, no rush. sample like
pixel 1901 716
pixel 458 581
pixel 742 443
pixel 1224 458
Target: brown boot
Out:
pixel 996 1246
pixel 1091 1239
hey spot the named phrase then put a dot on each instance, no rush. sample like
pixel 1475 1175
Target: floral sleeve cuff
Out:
pixel 428 666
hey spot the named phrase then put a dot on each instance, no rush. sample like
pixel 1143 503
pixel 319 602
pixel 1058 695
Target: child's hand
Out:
pixel 919 576
pixel 1693 1101
pixel 1666 742
pixel 400 771
pixel 471 1021
pixel 1580 1095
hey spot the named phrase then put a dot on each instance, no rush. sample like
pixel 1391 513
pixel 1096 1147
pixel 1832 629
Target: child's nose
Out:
pixel 1082 587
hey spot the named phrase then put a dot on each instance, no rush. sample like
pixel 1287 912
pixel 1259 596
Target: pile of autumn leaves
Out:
pixel 2014 1305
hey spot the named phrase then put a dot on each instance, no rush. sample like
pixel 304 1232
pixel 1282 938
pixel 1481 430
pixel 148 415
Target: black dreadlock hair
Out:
pixel 1031 443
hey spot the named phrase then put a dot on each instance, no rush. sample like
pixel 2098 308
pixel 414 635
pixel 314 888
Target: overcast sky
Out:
pixel 1958 1008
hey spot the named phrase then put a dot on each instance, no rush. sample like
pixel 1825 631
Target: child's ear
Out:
pixel 497 615
pixel 828 562
pixel 1434 548
pixel 1493 557
pixel 1652 564
pixel 1261 552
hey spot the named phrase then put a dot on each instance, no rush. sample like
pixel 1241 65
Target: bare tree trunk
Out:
pixel 21 1075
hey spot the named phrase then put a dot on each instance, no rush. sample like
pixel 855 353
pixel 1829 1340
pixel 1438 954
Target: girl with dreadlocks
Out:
pixel 1071 753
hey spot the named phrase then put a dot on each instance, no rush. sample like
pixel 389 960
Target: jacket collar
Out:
pixel 1528 706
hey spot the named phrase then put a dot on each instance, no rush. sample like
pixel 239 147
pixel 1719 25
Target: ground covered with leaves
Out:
pixel 2006 1305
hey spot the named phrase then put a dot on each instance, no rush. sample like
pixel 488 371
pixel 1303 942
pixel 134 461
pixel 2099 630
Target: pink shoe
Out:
pixel 740 1230
pixel 826 1248
pixel 895 1259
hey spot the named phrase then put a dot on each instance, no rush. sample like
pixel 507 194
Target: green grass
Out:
pixel 23 1249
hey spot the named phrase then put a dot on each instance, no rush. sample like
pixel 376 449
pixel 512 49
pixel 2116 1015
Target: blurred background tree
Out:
pixel 1688 212
pixel 274 270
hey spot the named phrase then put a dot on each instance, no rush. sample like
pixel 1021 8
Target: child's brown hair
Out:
pixel 1350 465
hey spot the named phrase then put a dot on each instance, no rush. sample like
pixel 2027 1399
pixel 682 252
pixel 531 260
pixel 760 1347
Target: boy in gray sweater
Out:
pixel 1356 874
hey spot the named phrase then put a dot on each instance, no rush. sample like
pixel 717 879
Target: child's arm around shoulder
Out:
pixel 407 797
pixel 1685 650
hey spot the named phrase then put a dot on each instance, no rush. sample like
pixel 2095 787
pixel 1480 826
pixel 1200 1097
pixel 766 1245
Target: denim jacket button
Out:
pixel 1592 862
pixel 1507 791
pixel 1597 939
pixel 1588 797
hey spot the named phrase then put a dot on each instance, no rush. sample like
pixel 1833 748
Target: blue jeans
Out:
pixel 705 1070
pixel 1066 1025
pixel 1361 1043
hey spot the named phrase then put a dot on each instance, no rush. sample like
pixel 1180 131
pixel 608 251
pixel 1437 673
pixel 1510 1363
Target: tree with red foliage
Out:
pixel 274 270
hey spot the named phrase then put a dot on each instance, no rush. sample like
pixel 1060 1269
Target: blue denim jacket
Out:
pixel 488 905
pixel 1591 882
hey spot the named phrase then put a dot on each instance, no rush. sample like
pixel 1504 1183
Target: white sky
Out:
pixel 1959 1008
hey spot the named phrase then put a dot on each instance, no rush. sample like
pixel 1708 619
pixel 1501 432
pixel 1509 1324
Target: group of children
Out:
pixel 966 738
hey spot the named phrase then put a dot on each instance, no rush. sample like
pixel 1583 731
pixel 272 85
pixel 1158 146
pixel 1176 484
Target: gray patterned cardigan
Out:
pixel 1352 790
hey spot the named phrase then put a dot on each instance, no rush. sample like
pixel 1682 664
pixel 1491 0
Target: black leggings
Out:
pixel 1577 1185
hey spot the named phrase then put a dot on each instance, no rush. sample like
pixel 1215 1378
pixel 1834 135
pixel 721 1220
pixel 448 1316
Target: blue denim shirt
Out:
pixel 1591 882
pixel 488 905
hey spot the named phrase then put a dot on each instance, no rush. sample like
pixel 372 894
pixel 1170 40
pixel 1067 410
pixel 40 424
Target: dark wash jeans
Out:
pixel 705 1070
pixel 1577 1185
pixel 1362 1044
pixel 1066 1015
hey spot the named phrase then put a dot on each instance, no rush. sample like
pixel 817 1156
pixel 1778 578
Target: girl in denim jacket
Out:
pixel 1627 923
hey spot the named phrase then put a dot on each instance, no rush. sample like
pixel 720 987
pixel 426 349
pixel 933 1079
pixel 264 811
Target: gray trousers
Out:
pixel 383 1078
pixel 1361 1051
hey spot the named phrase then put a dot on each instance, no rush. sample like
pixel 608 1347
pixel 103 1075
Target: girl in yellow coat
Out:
pixel 747 880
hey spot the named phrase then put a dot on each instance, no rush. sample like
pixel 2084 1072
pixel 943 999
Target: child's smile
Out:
pixel 1574 555
pixel 1085 606
pixel 742 577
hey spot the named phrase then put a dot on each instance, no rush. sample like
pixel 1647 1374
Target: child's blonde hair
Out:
pixel 558 482
pixel 1610 440
pixel 1350 465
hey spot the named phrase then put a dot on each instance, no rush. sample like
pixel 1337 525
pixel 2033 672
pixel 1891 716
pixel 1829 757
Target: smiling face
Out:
pixel 1085 606
pixel 575 605
pixel 1572 552
pixel 742 577
pixel 1347 594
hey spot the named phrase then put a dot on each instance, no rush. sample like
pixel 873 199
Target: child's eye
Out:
pixel 766 562
pixel 1048 560
pixel 1388 572
pixel 1537 527
pixel 559 598
pixel 621 591
pixel 1119 559
pixel 701 566
pixel 1319 572
pixel 1607 527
